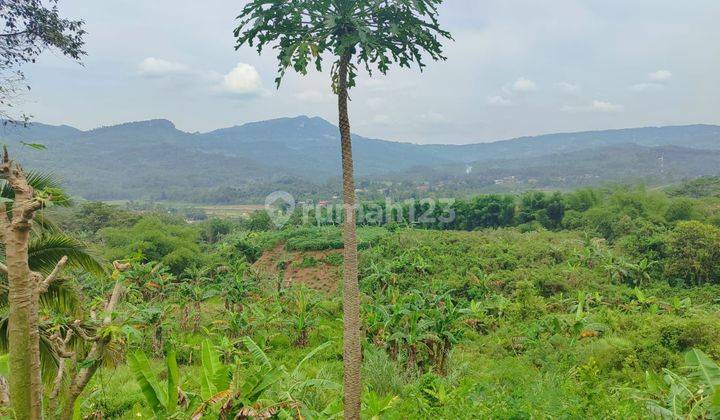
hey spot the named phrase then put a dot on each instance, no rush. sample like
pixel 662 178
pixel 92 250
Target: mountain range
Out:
pixel 155 160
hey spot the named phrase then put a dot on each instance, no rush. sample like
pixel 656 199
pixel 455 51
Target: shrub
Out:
pixel 258 221
pixel 682 335
pixel 380 373
pixel 693 252
pixel 157 238
pixel 335 259
pixel 306 262
pixel 243 246
pixel 681 209
pixel 181 259
pixel 310 243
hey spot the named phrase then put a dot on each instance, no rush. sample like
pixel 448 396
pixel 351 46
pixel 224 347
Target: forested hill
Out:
pixel 154 160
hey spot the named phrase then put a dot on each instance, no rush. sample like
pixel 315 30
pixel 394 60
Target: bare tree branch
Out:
pixel 43 287
pixel 95 356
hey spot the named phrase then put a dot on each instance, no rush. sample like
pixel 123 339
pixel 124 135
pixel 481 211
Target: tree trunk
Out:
pixel 80 382
pixel 23 334
pixel 26 388
pixel 352 353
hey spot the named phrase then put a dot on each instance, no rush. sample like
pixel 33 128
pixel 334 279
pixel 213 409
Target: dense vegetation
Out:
pixel 595 303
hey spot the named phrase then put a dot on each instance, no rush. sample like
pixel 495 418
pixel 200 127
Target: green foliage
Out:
pixel 681 209
pixel 334 259
pixel 375 33
pixel 693 395
pixel 242 244
pixel 258 221
pixel 162 401
pixel 156 239
pixel 302 311
pixel 214 377
pixel 314 239
pixel 45 251
pixel 544 320
pixel 95 215
pixel 214 229
pixel 694 252
pixel 697 188
pixel 46 187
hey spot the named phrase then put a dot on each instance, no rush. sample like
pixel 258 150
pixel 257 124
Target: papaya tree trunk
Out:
pixel 23 333
pixel 352 354
pixel 26 386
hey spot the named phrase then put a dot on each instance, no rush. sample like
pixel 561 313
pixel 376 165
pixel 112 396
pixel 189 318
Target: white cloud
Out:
pixel 660 76
pixel 645 87
pixel 243 79
pixel 157 67
pixel 604 106
pixel 433 118
pixel 657 81
pixel 569 87
pixel 595 106
pixel 524 85
pixel 498 101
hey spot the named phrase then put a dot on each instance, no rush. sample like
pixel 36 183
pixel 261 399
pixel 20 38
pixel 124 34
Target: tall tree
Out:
pixel 27 28
pixel 31 265
pixel 370 33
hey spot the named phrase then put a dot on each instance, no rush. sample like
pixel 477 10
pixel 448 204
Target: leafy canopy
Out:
pixel 29 27
pixel 376 33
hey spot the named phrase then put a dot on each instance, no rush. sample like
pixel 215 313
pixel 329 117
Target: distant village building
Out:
pixel 508 180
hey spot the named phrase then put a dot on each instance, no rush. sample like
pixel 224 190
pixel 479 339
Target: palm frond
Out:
pixel 48 356
pixel 44 252
pixel 62 297
pixel 44 225
pixel 40 181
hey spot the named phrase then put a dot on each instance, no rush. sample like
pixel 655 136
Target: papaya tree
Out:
pixel 31 261
pixel 370 33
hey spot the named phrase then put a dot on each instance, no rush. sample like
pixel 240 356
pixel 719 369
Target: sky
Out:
pixel 515 68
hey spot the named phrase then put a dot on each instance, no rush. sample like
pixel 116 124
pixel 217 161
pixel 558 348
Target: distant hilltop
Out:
pixel 154 160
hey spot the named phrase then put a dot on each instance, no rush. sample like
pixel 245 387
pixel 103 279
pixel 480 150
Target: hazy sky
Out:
pixel 517 67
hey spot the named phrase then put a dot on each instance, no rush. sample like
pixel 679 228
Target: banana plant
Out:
pixel 414 336
pixel 475 315
pixel 165 402
pixel 706 371
pixel 248 396
pixel 214 376
pixel 374 405
pixel 693 395
pixel 303 307
pixel 445 330
pixel 245 390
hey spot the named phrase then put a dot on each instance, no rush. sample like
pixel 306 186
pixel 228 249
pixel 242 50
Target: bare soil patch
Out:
pixel 308 267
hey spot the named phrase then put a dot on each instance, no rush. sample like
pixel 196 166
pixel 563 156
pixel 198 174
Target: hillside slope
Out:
pixel 154 160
